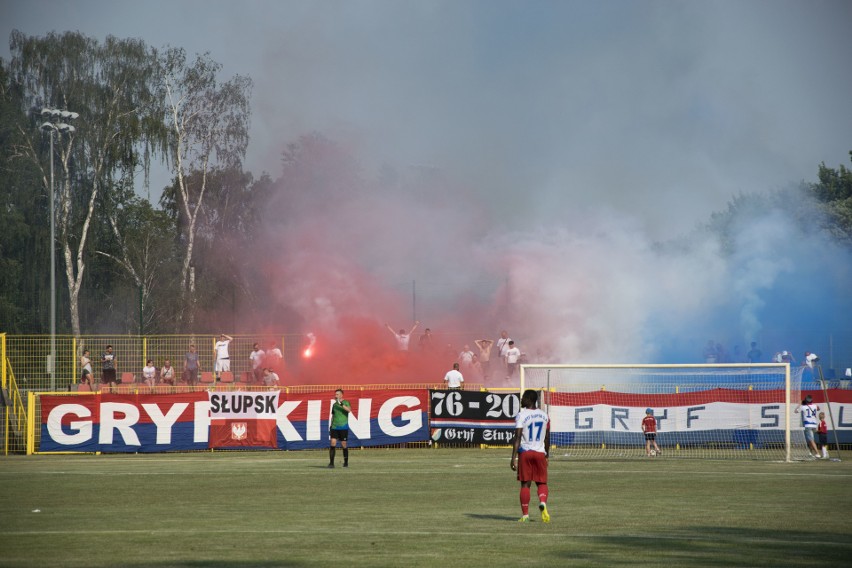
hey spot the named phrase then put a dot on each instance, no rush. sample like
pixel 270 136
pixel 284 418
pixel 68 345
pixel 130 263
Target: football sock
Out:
pixel 525 501
pixel 345 456
pixel 542 493
pixel 331 454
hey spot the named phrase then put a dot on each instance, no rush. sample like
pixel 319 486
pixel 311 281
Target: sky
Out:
pixel 575 134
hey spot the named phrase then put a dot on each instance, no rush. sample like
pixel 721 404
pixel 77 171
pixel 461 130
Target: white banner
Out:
pixel 699 417
pixel 240 404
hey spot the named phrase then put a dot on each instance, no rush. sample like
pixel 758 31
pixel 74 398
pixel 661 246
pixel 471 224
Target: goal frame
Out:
pixel 785 366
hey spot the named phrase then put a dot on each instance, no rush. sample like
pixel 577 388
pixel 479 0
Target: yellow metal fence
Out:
pixel 30 354
pixel 25 376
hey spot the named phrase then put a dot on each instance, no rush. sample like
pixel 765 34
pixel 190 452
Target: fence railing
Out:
pixel 14 414
pixel 31 354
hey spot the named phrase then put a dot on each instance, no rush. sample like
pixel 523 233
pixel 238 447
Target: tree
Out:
pixel 226 236
pixel 110 86
pixel 143 246
pixel 207 124
pixel 23 237
pixel 834 191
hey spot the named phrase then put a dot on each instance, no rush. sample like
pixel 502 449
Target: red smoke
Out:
pixel 337 258
pixel 363 352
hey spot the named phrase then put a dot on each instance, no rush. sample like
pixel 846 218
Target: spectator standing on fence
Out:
pixel 754 354
pixel 403 338
pixel 270 378
pixel 223 358
pixel 476 368
pixel 149 373
pixel 426 341
pixel 454 379
pixel 256 357
pixel 466 358
pixel 167 373
pixel 810 360
pixel 503 345
pixel 274 357
pixel 85 368
pixel 190 366
pixel 513 357
pixel 484 346
pixel 108 364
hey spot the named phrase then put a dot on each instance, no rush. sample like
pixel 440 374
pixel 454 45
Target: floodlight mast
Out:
pixel 54 123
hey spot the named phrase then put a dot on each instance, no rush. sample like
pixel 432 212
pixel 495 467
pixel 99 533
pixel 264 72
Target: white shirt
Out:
pixel 533 425
pixel 402 340
pixel 271 379
pixel 274 356
pixel 148 373
pixel 454 379
pixel 167 373
pixel 256 358
pixel 503 346
pixel 512 355
pixel 810 413
pixel 222 349
pixel 811 359
pixel 466 357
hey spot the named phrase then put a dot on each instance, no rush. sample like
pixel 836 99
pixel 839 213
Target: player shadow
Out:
pixel 715 546
pixel 491 517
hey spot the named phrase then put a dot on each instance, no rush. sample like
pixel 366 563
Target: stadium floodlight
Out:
pixel 53 125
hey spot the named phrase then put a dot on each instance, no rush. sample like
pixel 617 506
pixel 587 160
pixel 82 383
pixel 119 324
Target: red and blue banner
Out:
pixel 179 422
pixel 717 416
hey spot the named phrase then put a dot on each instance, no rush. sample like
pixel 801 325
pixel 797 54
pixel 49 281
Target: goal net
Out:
pixel 724 411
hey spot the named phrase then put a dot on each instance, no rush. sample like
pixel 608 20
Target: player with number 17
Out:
pixel 530 453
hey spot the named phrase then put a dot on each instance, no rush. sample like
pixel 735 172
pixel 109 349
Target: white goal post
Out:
pixel 720 411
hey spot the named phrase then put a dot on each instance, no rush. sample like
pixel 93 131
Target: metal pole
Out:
pixel 828 405
pixel 52 274
pixel 141 321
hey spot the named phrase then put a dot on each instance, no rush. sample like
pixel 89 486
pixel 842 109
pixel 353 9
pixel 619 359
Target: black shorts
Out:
pixel 650 436
pixel 823 439
pixel 341 435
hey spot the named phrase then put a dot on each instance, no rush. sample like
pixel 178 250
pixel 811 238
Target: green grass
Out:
pixel 441 507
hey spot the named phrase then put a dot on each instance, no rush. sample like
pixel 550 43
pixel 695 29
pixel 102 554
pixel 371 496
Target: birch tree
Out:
pixel 207 123
pixel 109 86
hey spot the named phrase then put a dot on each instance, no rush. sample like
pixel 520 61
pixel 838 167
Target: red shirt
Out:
pixel 823 427
pixel 649 424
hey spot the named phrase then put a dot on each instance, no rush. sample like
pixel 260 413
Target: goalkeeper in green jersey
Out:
pixel 339 428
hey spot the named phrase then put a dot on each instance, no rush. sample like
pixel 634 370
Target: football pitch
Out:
pixel 417 507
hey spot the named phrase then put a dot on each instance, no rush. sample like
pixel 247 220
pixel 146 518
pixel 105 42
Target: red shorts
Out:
pixel 532 466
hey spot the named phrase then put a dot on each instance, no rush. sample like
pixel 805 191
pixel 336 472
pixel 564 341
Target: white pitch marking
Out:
pixel 549 533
